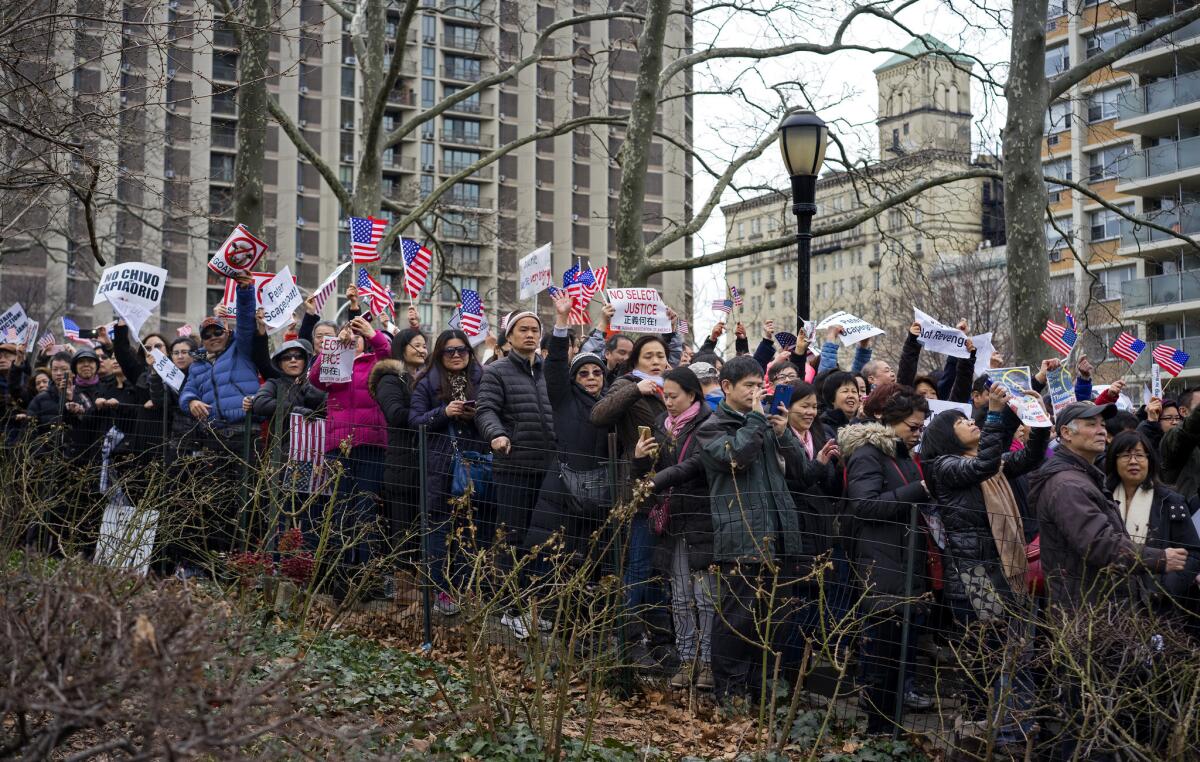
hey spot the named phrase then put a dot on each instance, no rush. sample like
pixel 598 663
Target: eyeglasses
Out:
pixel 785 378
pixel 1131 455
pixel 292 356
pixel 452 351
pixel 1170 418
pixel 914 427
pixel 180 352
pixel 159 347
pixel 597 373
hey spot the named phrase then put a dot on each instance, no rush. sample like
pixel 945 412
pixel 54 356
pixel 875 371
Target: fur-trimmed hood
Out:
pixel 381 369
pixel 856 435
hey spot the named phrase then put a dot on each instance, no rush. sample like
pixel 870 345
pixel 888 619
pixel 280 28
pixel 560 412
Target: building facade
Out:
pixel 879 268
pixel 173 189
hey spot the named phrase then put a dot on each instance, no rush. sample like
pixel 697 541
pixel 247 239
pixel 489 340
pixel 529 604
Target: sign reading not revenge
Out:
pixel 638 310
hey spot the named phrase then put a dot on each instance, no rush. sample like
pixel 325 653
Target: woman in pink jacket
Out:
pixel 356 437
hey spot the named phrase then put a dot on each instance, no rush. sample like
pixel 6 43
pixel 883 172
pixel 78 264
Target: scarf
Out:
pixel 1136 512
pixel 458 386
pixel 1008 531
pixel 806 440
pixel 676 425
pixel 658 380
pixel 87 381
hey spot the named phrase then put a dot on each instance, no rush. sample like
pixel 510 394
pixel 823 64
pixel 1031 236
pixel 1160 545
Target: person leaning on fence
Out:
pixel 682 520
pixel 356 438
pixel 748 458
pixel 884 486
pixel 574 499
pixel 391 384
pixel 441 402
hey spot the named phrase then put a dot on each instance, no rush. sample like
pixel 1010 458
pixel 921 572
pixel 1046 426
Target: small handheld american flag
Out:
pixel 1170 359
pixel 1128 348
pixel 184 330
pixel 786 340
pixel 380 298
pixel 1059 337
pixel 682 327
pixel 472 312
pixel 723 305
pixel 46 341
pixel 365 235
pixel 417 260
pixel 1070 317
pixel 306 451
pixel 737 296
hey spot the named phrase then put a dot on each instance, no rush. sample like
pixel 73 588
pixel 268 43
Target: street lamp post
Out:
pixel 802 140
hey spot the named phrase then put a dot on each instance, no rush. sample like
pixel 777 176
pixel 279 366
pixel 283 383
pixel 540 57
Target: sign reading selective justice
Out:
pixel 638 310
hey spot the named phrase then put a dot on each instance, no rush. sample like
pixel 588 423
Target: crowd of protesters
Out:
pixel 845 491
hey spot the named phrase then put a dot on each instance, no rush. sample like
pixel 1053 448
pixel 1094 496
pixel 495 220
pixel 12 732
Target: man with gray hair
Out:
pixel 1086 554
pixel 878 372
pixel 709 382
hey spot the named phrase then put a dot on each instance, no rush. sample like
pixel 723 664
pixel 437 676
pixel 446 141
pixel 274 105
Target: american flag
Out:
pixel 1128 348
pixel 1070 317
pixel 723 305
pixel 1059 337
pixel 184 330
pixel 737 296
pixel 681 327
pixel 306 451
pixel 379 297
pixel 417 259
pixel 786 340
pixel 11 336
pixel 581 285
pixel 472 312
pixel 322 296
pixel 600 278
pixel 1172 360
pixel 46 341
pixel 71 332
pixel 365 235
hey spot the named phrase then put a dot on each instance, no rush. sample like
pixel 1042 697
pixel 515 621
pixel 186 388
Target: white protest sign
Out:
pixel 1062 392
pixel 134 315
pixel 135 282
pixel 939 337
pixel 166 370
pixel 638 310
pixel 455 322
pixel 854 328
pixel 1029 409
pixel 30 337
pixel 1156 380
pixel 337 361
pixel 126 535
pixel 1016 379
pixel 536 274
pixel 983 352
pixel 15 318
pixel 279 298
pixel 941 406
pixel 229 300
pixel 240 252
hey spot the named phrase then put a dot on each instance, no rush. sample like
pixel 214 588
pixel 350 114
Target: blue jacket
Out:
pixel 829 358
pixel 222 384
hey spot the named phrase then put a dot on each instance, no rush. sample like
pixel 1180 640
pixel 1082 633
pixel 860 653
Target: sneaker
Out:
pixel 518 625
pixel 683 678
pixel 445 605
pixel 704 680
pixel 917 701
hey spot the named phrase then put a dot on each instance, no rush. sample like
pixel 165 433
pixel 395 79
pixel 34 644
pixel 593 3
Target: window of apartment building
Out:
pixel 464 254
pixel 1106 163
pixel 428 62
pixel 428 93
pixel 220 167
pixel 895 219
pixel 1101 41
pixel 1055 239
pixel 470 103
pixel 741 231
pixel 459 225
pixel 465 193
pixel 1058 60
pixel 1102 104
pixel 1109 282
pixel 426 185
pixel 1058 117
pixel 427 157
pixel 455 285
pixel 1105 224
pixel 462 129
pixel 428 28
pixel 462 36
pixel 347 82
pixel 756 226
pixel 1060 168
pixel 461 67
pixel 457 161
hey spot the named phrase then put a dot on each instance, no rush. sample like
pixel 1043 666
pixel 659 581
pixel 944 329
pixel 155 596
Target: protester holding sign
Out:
pixel 829 351
pixel 217 384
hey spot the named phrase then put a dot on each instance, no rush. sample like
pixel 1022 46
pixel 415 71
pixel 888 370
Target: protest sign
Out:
pixel 166 370
pixel 536 274
pixel 135 283
pixel 30 337
pixel 983 352
pixel 854 329
pixel 941 406
pixel 126 535
pixel 229 300
pixel 15 318
pixel 939 337
pixel 1016 379
pixel 337 361
pixel 638 310
pixel 134 315
pixel 1028 408
pixel 1156 389
pixel 1062 392
pixel 279 299
pixel 240 252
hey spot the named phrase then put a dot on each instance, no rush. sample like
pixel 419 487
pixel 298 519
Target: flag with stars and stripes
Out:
pixel 365 235
pixel 46 342
pixel 723 305
pixel 417 260
pixel 379 297
pixel 71 332
pixel 184 330
pixel 306 454
pixel 1170 359
pixel 1128 347
pixel 1061 338
pixel 1070 317
pixel 471 318
pixel 682 327
pixel 737 296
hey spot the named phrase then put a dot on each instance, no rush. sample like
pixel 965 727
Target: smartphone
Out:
pixel 367 316
pixel 87 333
pixel 469 404
pixel 644 432
pixel 783 396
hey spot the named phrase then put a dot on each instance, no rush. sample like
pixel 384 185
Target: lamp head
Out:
pixel 802 140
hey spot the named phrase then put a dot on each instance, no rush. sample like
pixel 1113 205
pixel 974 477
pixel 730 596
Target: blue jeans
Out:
pixel 637 562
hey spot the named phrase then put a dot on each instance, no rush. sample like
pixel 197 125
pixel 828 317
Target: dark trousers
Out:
pixel 355 504
pixel 743 624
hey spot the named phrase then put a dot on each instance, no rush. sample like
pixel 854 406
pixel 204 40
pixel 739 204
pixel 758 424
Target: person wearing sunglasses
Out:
pixel 884 485
pixel 288 392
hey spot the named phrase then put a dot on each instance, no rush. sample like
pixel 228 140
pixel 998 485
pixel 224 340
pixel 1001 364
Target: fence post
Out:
pixel 906 623
pixel 426 577
pixel 624 673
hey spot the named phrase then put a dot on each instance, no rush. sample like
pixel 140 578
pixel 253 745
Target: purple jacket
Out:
pixel 351 411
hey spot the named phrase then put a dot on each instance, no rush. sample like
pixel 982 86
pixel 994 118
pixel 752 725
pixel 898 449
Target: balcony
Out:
pixel 463 43
pixel 467 138
pixel 402 164
pixel 1161 294
pixel 472 11
pixel 1163 170
pixel 453 169
pixel 402 97
pixel 1154 110
pixel 1158 58
pixel 463 73
pixel 472 106
pixel 1147 242
pixel 469 200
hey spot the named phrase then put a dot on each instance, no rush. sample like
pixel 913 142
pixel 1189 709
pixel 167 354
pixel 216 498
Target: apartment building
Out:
pixel 879 268
pixel 174 187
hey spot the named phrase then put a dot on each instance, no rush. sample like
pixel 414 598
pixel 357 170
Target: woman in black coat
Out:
pixel 391 385
pixel 686 533
pixel 443 402
pixel 884 484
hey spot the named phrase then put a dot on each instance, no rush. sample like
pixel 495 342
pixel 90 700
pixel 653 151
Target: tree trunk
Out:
pixel 368 181
pixel 1024 189
pixel 252 115
pixel 635 152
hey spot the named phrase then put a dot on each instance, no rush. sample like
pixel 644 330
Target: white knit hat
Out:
pixel 511 319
